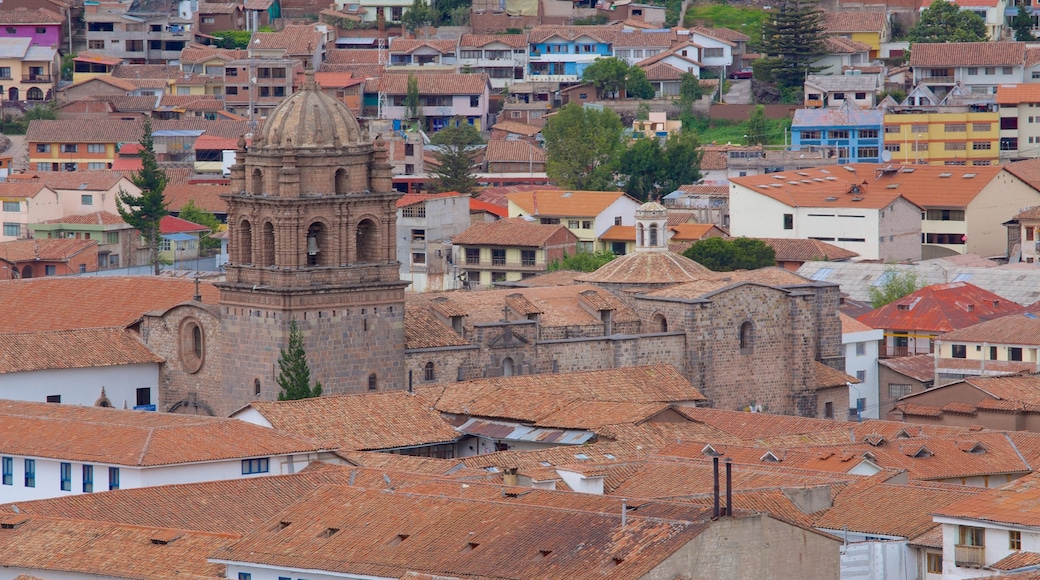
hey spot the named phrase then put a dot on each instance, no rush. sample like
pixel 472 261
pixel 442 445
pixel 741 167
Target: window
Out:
pixel 746 338
pixel 96 166
pixel 473 256
pixel 955 127
pixel 95 148
pixel 231 90
pixel 981 146
pixel 113 478
pixel 828 410
pixel 1007 70
pixel 955 146
pixel 1015 353
pixel 50 270
pixel 258 465
pixel 896 391
pixel 838 96
pixel 713 52
pixel 959 351
pixel 144 396
pixel 96 44
pixel 8 470
pixel 971 536
pixel 88 479
pixel 245 576
pixel 53 398
pixel 866 152
pixel 810 134
pixel 498 257
pixel 15 207
pixel 868 134
pixel 843 134
pixel 1014 540
pixel 11 229
pixel 788 221
pixel 617 220
pixel 861 349
pixel 527 257
pixel 474 101
pixel 86 199
pixel 373 382
pixel 428 374
pixel 69 148
pixel 43 147
pixel 945 215
pixel 973 70
pixel 30 473
pixel 991 70
pixel 981 126
pixel 572 224
pixel 586 224
pixel 418 258
pixel 1030 230
pixel 66 476
pixel 934 563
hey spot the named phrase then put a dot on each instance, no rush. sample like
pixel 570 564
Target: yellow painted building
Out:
pixel 943 138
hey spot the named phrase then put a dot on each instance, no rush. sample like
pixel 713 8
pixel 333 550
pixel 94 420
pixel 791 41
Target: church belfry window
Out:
pixel 267 252
pixel 316 245
pixel 256 184
pixel 366 241
pixel 653 234
pixel 373 382
pixel 245 241
pixel 747 337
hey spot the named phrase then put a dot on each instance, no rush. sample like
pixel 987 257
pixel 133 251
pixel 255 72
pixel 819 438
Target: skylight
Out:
pixel 821 274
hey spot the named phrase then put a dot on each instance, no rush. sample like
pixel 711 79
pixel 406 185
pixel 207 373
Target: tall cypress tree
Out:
pixel 294 376
pixel 793 37
pixel 145 211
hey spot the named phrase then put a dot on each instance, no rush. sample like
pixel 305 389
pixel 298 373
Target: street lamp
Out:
pixel 917 149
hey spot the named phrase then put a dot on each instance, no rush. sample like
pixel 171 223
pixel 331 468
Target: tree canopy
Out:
pixel 144 212
pixel 894 285
pixel 582 261
pixel 757 129
pixel 197 215
pixel 651 169
pixel 582 147
pixel 727 255
pixel 690 91
pixel 636 84
pixel 607 75
pixel 418 15
pixel 411 97
pixel 232 38
pixel 793 38
pixel 945 22
pixel 1022 24
pixel 294 376
pixel 457 144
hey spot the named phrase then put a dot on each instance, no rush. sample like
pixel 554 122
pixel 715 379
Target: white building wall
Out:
pixel 867 343
pixel 624 207
pixel 83 386
pixel 996 542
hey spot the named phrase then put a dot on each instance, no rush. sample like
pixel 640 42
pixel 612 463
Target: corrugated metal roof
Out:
pixel 514 432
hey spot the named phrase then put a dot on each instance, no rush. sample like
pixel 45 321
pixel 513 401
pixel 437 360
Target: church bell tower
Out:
pixel 311 227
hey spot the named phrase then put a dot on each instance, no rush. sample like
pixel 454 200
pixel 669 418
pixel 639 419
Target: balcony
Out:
pixel 510 266
pixel 937 80
pixel 889 351
pixel 42 79
pixel 969 556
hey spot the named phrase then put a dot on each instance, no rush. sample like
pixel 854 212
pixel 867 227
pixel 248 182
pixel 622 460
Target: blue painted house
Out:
pixel 561 53
pixel 847 134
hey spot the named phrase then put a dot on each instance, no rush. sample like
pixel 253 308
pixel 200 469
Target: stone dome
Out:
pixel 310 118
pixel 651 210
pixel 649 268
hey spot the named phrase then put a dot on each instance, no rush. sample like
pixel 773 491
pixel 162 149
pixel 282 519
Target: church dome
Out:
pixel 649 268
pixel 310 118
pixel 651 210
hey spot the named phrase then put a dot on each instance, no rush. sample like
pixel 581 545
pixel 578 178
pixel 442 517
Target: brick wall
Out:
pixel 181 390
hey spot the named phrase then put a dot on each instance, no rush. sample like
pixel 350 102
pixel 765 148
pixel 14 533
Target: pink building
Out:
pixel 42 26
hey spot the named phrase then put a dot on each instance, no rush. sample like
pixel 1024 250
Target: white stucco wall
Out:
pixel 867 362
pixel 83 386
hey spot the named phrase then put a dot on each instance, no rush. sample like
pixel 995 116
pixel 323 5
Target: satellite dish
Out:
pixel 886 156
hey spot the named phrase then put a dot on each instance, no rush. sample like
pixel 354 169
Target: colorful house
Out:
pixel 28 72
pixel 846 134
pixel 41 26
pixel 38 258
pixel 970 138
pixel 870 28
pixel 561 53
pixel 510 250
pixel 180 240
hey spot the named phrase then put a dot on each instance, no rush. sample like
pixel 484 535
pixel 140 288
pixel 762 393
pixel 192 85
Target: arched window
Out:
pixel 256 387
pixel 34 94
pixel 192 346
pixel 12 94
pixel 256 184
pixel 373 383
pixel 27 272
pixel 428 372
pixel 342 183
pixel 507 367
pixel 317 245
pixel 245 243
pixel 267 254
pixel 366 241
pixel 653 234
pixel 196 340
pixel 639 235
pixel 747 337
pixel 659 323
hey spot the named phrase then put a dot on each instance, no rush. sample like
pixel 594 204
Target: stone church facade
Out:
pixel 311 225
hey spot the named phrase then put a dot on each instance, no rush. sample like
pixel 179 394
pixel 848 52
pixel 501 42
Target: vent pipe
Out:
pixel 624 512
pixel 729 486
pixel 715 492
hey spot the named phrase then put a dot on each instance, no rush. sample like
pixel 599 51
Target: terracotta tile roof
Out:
pixel 1017 560
pixel 533 397
pixel 920 367
pixel 74 547
pixel 933 538
pixel 1011 504
pixel 53 250
pixel 709 190
pixel 827 377
pixel 108 80
pixel 499 151
pixel 1021 329
pixel 205 195
pixel 540 34
pixel 482 40
pixel 414 198
pixel 717 156
pixel 435 84
pixel 1031 213
pixel 824 187
pixel 839 45
pixel 34 16
pixel 427 524
pixel 199 53
pixel 102 218
pixel 294 39
pixel 1016 94
pixel 410 463
pixel 649 268
pixel 74 180
pixel 850 325
pixel 499 195
pixel 70 349
pixel 57 303
pixel 423 330
pixel 331 80
pixel 967 53
pixel 136 438
pixel 98 58
pixel 835 22
pixel 510 232
pixel 643 38
pixel 890 509
pixel 721 33
pixel 401 44
pixel 662 71
pixel 476 205
pixel 175 225
pixel 517 128
pixel 360 422
pixel 352 56
pixel 15 188
pixel 564 203
pixel 797 250
pixel 145 71
pixel 215 143
pixel 759 425
pixel 47 131
pixel 940 308
pixel 680 232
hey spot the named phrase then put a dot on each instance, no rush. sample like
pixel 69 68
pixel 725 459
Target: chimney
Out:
pixel 509 476
pixel 715 493
pixel 729 486
pixel 624 512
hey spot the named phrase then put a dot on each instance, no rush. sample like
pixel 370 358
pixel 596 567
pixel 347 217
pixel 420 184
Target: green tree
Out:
pixel 636 84
pixel 68 65
pixel 608 76
pixel 945 22
pixel 757 128
pixel 793 38
pixel 641 164
pixel 582 147
pixel 419 15
pixel 232 38
pixel 1022 24
pixel 197 215
pixel 582 261
pixel 690 91
pixel 650 169
pixel 727 255
pixel 411 97
pixel 145 211
pixel 894 285
pixel 457 144
pixel 294 376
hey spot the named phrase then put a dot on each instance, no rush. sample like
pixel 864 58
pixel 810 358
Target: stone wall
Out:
pixel 180 389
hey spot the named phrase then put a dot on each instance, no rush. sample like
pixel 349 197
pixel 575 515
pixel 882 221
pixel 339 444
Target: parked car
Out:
pixel 741 74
